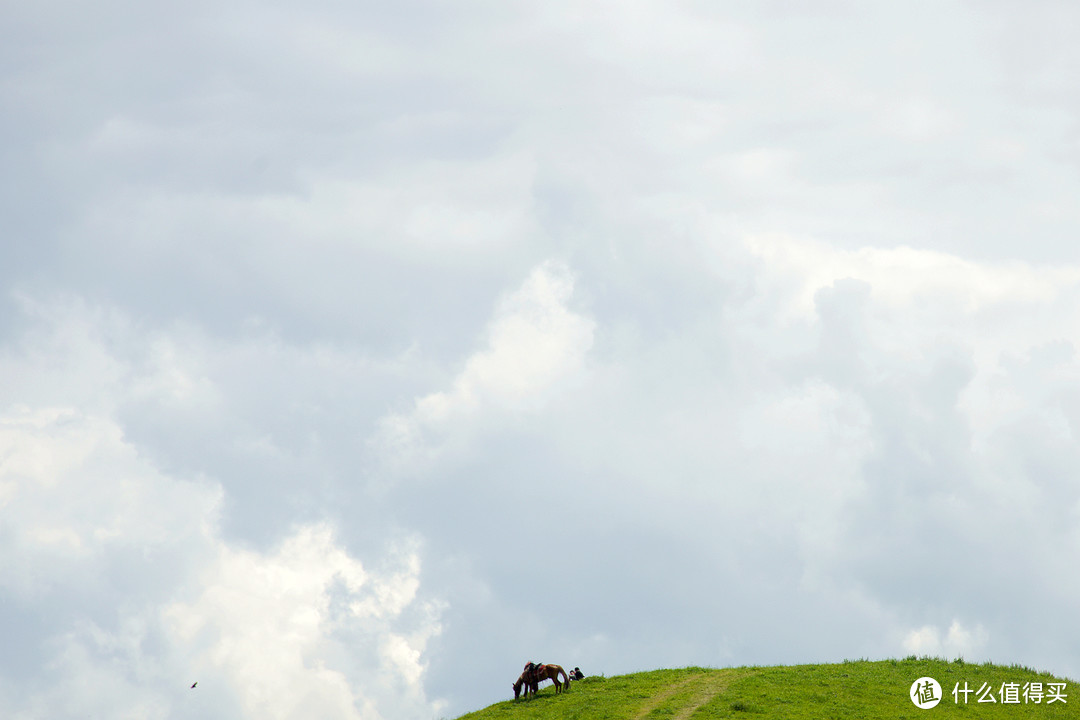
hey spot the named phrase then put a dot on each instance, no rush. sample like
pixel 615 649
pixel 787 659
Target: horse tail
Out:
pixel 566 678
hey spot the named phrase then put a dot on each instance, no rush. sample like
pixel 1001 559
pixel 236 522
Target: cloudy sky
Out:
pixel 354 353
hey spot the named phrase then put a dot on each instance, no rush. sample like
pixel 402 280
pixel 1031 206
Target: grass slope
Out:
pixel 853 689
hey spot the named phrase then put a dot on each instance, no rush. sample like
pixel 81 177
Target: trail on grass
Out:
pixel 707 686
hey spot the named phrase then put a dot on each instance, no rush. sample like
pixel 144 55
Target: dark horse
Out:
pixel 535 674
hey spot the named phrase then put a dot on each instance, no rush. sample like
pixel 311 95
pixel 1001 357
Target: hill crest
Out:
pixel 852 689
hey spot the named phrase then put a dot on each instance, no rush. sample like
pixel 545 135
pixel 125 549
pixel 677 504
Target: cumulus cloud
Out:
pixel 266 633
pixel 536 347
pixel 903 276
pixel 800 385
pixel 957 642
pixel 77 494
pixel 929 349
pixel 275 629
pixel 831 458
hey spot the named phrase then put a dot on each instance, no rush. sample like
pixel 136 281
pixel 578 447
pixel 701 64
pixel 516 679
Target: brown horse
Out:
pixel 535 674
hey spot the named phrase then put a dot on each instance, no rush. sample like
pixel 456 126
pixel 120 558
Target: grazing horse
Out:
pixel 535 674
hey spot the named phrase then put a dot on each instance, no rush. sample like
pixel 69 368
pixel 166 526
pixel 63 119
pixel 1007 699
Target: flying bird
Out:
pixel 194 684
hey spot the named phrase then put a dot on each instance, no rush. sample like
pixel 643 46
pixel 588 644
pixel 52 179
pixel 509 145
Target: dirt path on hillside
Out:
pixel 652 703
pixel 709 685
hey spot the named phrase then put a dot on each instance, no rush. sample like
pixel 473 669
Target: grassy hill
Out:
pixel 853 689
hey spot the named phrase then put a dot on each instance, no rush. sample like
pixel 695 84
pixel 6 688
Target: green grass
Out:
pixel 852 689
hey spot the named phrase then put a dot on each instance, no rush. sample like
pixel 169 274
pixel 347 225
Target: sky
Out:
pixel 353 354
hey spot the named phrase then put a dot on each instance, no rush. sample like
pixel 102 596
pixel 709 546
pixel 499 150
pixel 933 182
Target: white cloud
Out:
pixel 271 626
pixel 957 642
pixel 535 342
pixel 270 632
pixel 75 491
pixel 536 348
pixel 902 276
